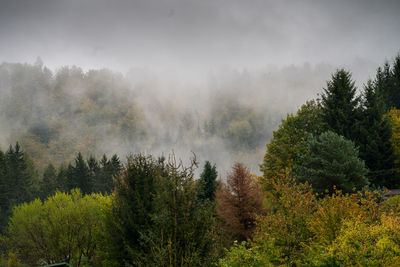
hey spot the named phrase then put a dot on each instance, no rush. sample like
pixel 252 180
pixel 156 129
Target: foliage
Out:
pixel 129 219
pixel 340 105
pixel 290 207
pixel 375 139
pixel 184 231
pixel 18 181
pixel 65 227
pixel 241 255
pixel 360 243
pixel 393 117
pixel 156 219
pixel 207 182
pixel 333 162
pixel 238 202
pixel 290 140
pixel 388 82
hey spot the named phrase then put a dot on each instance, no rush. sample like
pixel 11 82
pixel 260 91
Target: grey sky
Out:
pixel 197 34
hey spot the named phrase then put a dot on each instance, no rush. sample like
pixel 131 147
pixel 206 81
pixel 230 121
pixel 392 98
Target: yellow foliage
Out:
pixel 394 118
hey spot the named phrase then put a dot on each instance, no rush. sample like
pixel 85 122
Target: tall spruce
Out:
pixel 207 182
pixel 4 192
pixel 78 176
pixel 49 182
pixel 340 106
pixel 19 175
pixel 129 220
pixel 388 82
pixel 375 145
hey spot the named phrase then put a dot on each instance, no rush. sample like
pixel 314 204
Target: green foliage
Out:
pixel 388 82
pixel 184 233
pixel 49 181
pixel 290 140
pixel 207 183
pixel 129 220
pixel 375 140
pixel 65 227
pixel 285 226
pixel 18 181
pixel 340 105
pixel 241 255
pixel 332 162
pixel 156 219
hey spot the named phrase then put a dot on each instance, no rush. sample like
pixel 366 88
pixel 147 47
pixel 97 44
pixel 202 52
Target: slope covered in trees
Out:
pixel 319 202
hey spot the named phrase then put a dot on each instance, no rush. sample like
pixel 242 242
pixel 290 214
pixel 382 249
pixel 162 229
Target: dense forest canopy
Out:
pixel 228 117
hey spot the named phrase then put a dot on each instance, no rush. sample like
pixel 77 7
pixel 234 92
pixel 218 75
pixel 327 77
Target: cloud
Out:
pixel 197 35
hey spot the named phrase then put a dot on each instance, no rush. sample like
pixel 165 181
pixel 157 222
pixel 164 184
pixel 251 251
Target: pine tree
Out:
pixel 4 192
pixel 49 181
pixel 375 145
pixel 18 176
pixel 207 182
pixel 78 176
pixel 340 106
pixel 129 221
pixel 332 162
pixel 94 172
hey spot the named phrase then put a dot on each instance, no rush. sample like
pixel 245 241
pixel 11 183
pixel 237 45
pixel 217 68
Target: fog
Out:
pixel 175 65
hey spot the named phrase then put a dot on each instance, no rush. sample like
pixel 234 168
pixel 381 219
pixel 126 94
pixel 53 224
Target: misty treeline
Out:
pixel 231 114
pixel 320 200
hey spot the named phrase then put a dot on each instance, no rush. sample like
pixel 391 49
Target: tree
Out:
pixel 340 106
pixel 375 139
pixel 332 162
pixel 290 140
pixel 65 227
pixel 78 176
pixel 129 220
pixel 19 175
pixel 238 202
pixel 184 233
pixel 49 181
pixel 207 182
pixel 388 82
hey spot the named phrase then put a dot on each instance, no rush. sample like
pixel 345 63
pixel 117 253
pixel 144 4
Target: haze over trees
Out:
pixel 319 202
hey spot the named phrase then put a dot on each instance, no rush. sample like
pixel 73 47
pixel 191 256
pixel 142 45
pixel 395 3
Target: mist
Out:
pixel 151 76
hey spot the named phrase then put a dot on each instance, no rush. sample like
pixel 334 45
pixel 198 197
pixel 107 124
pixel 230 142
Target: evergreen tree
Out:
pixel 108 169
pixel 332 162
pixel 130 220
pixel 4 192
pixel 94 172
pixel 340 106
pixel 388 82
pixel 207 182
pixel 18 176
pixel 78 176
pixel 62 178
pixel 375 145
pixel 184 232
pixel 49 181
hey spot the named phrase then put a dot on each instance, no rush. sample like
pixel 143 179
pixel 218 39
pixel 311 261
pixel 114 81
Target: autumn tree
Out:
pixel 238 202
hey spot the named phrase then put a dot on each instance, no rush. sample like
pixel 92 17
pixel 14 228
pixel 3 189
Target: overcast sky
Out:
pixel 197 34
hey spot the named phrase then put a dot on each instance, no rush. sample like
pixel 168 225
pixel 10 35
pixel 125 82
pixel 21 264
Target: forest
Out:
pixel 104 169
